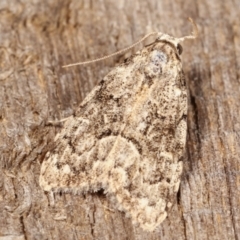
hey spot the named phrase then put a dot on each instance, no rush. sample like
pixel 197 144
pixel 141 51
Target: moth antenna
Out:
pixel 194 32
pixel 113 54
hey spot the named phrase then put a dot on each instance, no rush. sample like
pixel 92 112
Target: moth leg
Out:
pixel 58 122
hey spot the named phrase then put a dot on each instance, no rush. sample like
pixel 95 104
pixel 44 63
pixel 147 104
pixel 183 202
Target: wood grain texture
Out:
pixel 37 38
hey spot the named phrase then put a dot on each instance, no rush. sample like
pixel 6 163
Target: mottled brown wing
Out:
pixel 127 137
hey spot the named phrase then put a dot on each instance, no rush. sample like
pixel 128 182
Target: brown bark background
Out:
pixel 38 37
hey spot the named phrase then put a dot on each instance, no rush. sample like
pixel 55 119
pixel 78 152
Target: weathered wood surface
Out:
pixel 38 37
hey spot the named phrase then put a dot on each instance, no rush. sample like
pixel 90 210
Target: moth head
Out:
pixel 176 41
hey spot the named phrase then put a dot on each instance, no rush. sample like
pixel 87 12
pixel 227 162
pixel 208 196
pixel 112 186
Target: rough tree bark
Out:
pixel 38 37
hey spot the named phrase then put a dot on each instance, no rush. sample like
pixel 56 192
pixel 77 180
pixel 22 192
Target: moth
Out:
pixel 128 136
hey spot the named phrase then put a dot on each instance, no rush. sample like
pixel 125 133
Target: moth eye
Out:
pixel 180 49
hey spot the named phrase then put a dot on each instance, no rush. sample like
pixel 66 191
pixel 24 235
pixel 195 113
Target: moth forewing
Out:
pixel 128 136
